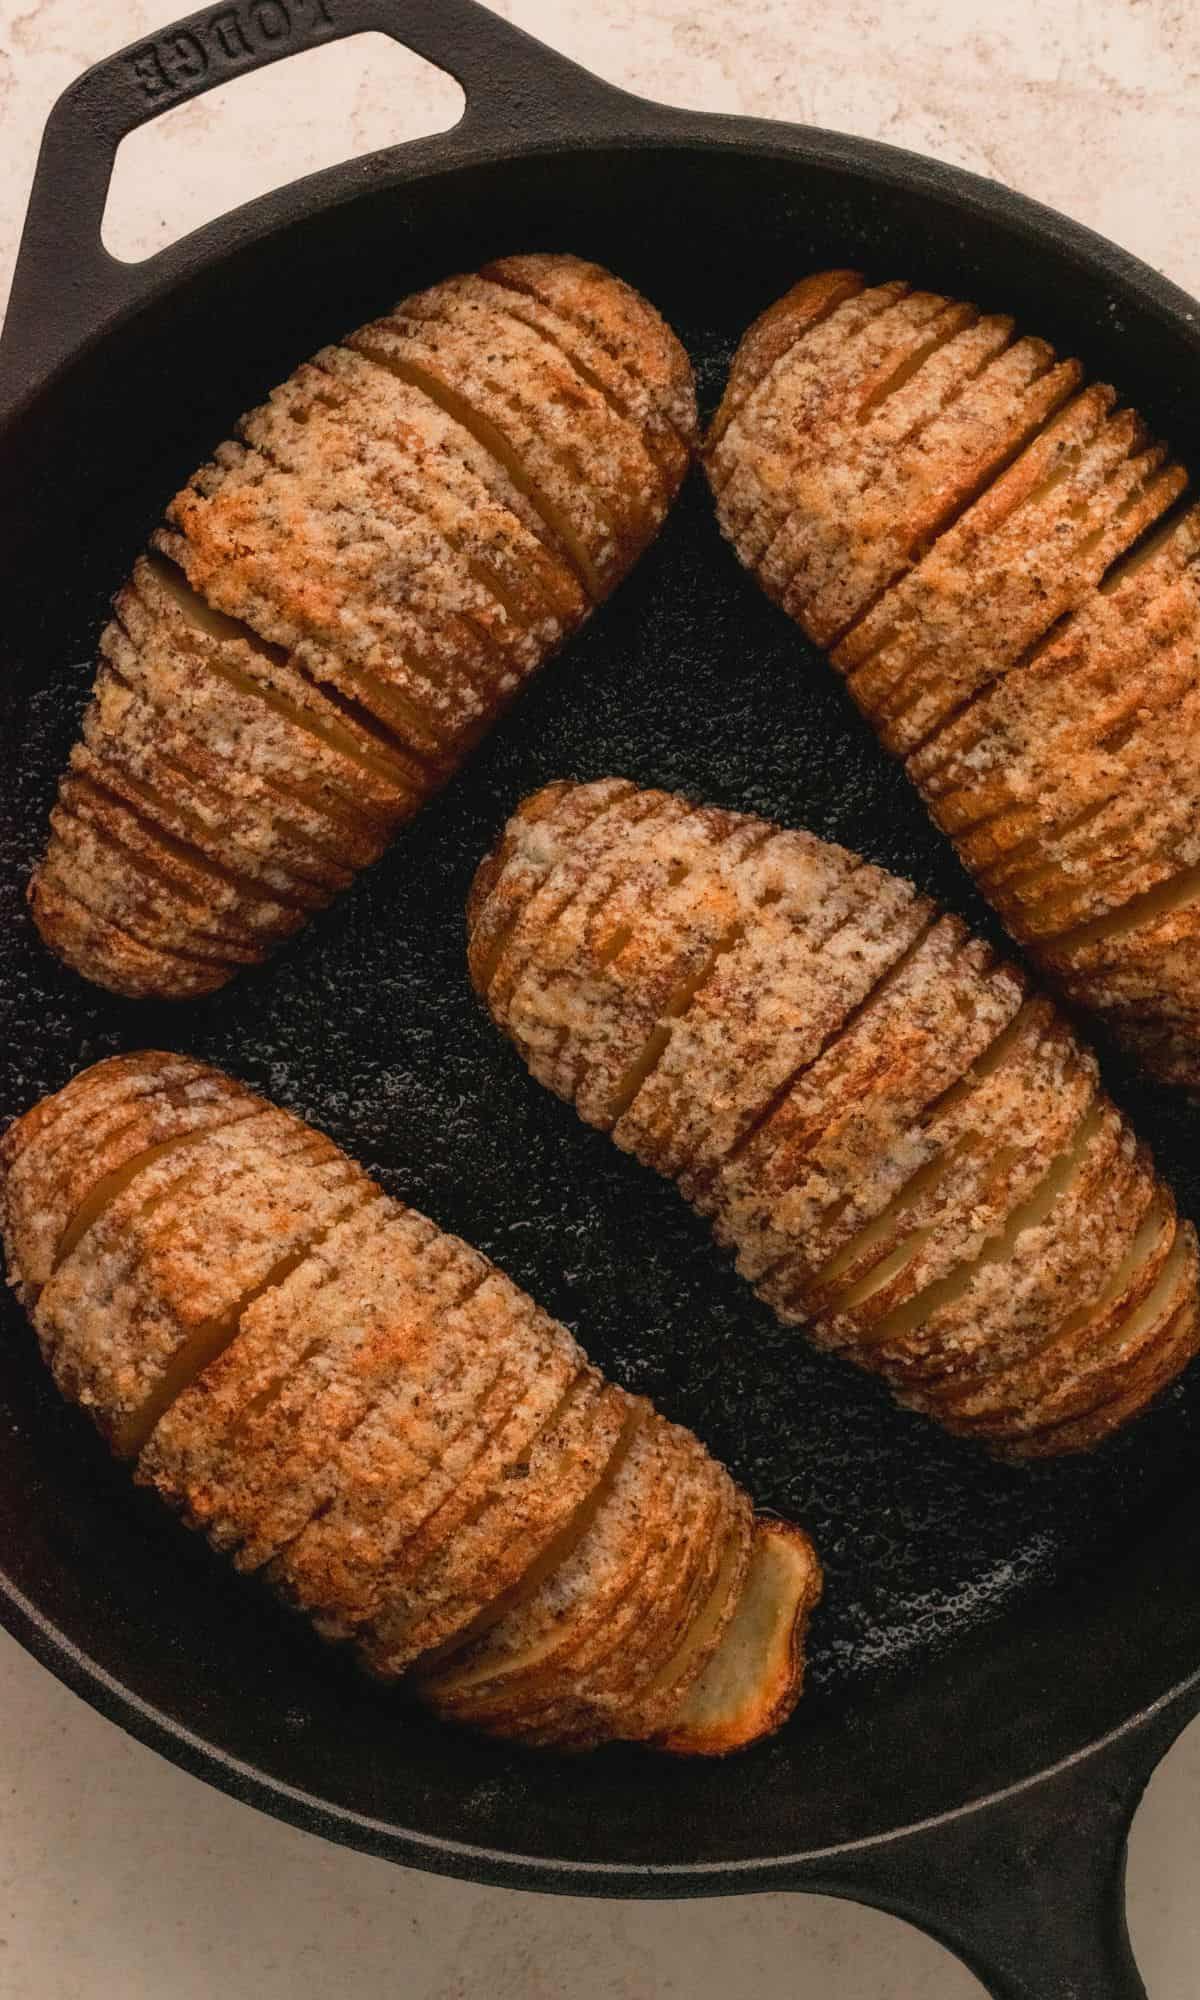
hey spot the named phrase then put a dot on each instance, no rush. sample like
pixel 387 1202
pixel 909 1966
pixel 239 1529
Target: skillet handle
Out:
pixel 1029 1890
pixel 66 285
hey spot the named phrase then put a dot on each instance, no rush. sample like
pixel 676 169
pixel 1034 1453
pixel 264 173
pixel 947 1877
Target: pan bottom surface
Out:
pixel 366 1025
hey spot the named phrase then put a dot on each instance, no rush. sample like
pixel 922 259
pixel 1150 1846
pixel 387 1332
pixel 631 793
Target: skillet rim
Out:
pixel 599 119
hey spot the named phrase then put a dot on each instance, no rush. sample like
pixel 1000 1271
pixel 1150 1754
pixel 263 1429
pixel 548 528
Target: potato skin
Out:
pixel 343 600
pixel 363 1409
pixel 961 522
pixel 907 1150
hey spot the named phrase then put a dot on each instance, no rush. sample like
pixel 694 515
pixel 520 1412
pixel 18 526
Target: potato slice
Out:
pixel 495 571
pixel 170 796
pixel 656 383
pixel 752 1680
pixel 916 355
pixel 601 820
pixel 899 1200
pixel 1035 544
pixel 1012 1279
pixel 1106 1342
pixel 659 1699
pixel 422 656
pixel 528 864
pixel 847 1131
pixel 908 1302
pixel 291 1491
pixel 727 943
pixel 88 1171
pixel 1143 969
pixel 1172 1350
pixel 109 953
pixel 225 673
pixel 595 487
pixel 527 1651
pixel 51 1146
pixel 150 862
pixel 586 1704
pixel 652 1633
pixel 313 436
pixel 546 346
pixel 1109 1189
pixel 150 1290
pixel 567 1464
pixel 310 831
pixel 594 924
pixel 115 887
pixel 909 464
pixel 769 339
pixel 802 903
pixel 307 584
pixel 544 1479
pixel 441 1427
pixel 217 1431
pixel 600 369
pixel 520 556
pixel 824 379
pixel 37 1134
pixel 1069 786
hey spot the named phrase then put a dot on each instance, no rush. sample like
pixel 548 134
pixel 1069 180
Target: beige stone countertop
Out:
pixel 123 1879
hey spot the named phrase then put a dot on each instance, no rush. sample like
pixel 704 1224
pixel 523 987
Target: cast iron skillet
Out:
pixel 1003 1655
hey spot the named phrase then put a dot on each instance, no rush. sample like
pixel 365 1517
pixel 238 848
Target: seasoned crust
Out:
pixel 543 1644
pixel 620 321
pixel 906 1152
pixel 967 526
pixel 343 600
pixel 356 1404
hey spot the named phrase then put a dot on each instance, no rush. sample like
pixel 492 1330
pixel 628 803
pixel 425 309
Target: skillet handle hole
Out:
pixel 314 109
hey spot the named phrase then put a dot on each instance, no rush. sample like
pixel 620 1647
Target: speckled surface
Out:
pixel 1088 110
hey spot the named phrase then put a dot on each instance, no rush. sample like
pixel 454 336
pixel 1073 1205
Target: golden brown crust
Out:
pixel 110 954
pixel 951 511
pixel 620 321
pixel 538 1495
pixel 359 1558
pixel 905 1151
pixel 666 1598
pixel 768 339
pixel 670 1627
pixel 343 600
pixel 358 1405
pixel 543 1646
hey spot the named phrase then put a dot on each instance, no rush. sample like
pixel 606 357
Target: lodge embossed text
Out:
pixel 172 64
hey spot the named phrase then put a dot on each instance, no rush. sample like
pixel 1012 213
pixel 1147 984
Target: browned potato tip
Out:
pixel 341 603
pixel 369 1413
pixel 908 1151
pixel 992 553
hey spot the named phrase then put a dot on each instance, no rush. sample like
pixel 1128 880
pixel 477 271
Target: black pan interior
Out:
pixel 976 1621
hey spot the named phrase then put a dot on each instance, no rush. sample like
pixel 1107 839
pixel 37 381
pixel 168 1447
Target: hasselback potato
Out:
pixel 908 1150
pixel 368 1413
pixel 342 601
pixel 967 527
